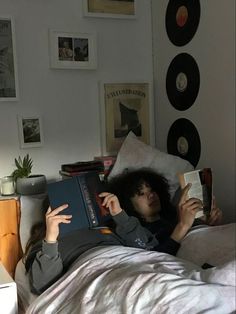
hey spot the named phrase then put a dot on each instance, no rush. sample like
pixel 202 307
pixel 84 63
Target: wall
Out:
pixel 68 100
pixel 213 113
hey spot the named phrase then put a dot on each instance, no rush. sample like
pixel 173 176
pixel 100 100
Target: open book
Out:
pixel 81 194
pixel 202 188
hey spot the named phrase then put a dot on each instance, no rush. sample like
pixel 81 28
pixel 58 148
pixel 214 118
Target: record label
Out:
pixel 182 20
pixel 184 141
pixel 182 16
pixel 182 81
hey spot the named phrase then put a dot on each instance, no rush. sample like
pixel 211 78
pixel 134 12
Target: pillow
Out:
pixel 135 154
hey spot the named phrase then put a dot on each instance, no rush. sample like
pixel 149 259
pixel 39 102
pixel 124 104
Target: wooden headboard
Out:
pixel 10 247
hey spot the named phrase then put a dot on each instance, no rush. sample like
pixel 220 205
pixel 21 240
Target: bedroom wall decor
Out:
pixel 183 78
pixel 182 81
pixel 8 67
pixel 30 131
pixel 124 107
pixel 110 8
pixel 184 141
pixel 182 19
pixel 72 50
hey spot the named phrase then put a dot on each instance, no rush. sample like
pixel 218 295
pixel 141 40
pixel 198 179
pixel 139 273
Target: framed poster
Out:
pixel 125 107
pixel 72 50
pixel 110 8
pixel 30 131
pixel 8 68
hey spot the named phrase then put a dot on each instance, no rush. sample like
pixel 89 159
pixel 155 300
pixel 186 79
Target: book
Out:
pixel 95 165
pixel 202 188
pixel 69 174
pixel 81 194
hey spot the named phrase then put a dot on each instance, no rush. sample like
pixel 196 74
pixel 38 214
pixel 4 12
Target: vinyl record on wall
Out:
pixel 182 81
pixel 184 141
pixel 182 19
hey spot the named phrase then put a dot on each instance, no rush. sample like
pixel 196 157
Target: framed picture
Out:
pixel 30 131
pixel 8 67
pixel 72 50
pixel 125 107
pixel 110 8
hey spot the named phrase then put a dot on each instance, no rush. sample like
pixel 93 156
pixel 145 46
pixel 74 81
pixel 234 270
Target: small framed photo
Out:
pixel 122 9
pixel 72 50
pixel 9 90
pixel 30 131
pixel 125 107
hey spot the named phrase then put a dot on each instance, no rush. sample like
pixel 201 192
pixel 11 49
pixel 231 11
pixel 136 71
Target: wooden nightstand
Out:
pixel 8 293
pixel 10 247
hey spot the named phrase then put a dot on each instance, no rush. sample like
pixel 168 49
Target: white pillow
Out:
pixel 135 154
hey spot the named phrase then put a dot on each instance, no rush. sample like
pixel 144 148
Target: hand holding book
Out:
pixel 111 202
pixel 53 219
pixel 215 216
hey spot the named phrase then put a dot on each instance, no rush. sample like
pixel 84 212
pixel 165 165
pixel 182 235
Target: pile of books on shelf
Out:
pixel 102 165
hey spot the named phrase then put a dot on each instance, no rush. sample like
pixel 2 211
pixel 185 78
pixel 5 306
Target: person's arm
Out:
pixel 132 232
pixel 46 267
pixel 44 263
pixel 129 229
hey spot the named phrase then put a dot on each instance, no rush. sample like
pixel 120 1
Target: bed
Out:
pixel 117 279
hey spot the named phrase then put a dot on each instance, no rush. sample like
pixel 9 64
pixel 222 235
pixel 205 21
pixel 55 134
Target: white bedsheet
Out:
pixel 117 280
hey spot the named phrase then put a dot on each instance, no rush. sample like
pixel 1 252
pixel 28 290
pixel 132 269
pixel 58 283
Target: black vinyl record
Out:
pixel 184 141
pixel 182 81
pixel 182 19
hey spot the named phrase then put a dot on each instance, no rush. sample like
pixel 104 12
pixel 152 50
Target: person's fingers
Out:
pixel 191 202
pixel 49 210
pixel 184 194
pixel 107 198
pixel 57 210
pixel 61 216
pixel 103 194
pixel 213 202
pixel 110 201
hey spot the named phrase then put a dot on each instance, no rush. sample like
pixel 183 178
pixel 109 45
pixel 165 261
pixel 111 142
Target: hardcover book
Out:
pixel 81 194
pixel 202 188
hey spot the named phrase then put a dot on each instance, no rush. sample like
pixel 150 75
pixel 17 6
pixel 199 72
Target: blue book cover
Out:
pixel 81 194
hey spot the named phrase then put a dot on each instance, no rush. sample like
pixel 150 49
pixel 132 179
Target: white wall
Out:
pixel 68 100
pixel 213 113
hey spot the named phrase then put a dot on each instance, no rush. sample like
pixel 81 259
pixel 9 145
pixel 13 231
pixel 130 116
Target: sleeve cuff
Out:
pixel 121 218
pixel 50 249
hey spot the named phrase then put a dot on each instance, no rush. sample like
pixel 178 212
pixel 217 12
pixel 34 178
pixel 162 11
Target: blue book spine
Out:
pixel 91 211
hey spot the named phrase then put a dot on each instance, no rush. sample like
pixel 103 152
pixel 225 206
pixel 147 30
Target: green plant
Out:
pixel 23 167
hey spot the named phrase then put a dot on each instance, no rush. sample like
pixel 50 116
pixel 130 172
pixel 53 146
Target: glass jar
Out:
pixel 7 186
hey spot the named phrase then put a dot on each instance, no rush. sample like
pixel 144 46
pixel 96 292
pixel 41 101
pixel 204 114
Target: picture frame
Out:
pixel 71 50
pixel 120 9
pixel 30 131
pixel 125 107
pixel 9 88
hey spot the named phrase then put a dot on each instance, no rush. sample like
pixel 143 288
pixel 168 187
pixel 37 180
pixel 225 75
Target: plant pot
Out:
pixel 34 184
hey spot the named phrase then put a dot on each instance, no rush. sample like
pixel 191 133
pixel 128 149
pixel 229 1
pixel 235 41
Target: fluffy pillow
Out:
pixel 135 154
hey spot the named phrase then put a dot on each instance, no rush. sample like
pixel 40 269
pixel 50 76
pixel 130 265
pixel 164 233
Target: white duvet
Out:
pixel 117 280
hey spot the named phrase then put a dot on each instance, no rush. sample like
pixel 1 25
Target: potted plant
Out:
pixel 27 184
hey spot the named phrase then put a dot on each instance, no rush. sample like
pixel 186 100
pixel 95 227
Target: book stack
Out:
pixel 82 167
pixel 108 163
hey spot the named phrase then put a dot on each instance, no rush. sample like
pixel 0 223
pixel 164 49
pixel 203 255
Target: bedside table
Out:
pixel 8 293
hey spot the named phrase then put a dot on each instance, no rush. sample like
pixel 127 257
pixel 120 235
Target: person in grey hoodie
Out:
pixel 49 256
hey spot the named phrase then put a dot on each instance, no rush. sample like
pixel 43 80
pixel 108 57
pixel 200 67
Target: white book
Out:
pixel 201 188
